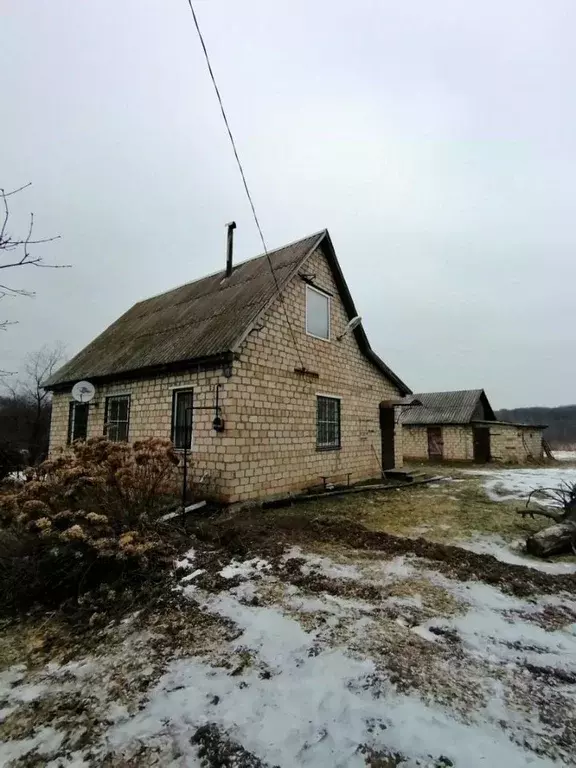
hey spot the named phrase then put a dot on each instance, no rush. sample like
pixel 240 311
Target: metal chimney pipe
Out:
pixel 229 247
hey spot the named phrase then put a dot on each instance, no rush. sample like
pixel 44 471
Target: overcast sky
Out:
pixel 435 140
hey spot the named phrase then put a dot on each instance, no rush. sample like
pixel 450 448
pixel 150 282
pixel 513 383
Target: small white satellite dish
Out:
pixel 83 391
pixel 354 323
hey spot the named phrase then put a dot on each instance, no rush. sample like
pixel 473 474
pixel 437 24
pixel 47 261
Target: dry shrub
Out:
pixel 88 516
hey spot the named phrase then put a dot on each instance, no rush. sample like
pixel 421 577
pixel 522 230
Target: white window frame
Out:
pixel 326 296
pixel 329 446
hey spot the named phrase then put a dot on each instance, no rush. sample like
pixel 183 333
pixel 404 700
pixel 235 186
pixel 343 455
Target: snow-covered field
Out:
pixel 323 663
pixel 565 455
pixel 510 484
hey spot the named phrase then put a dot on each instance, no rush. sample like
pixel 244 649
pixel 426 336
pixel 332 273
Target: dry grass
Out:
pixel 448 511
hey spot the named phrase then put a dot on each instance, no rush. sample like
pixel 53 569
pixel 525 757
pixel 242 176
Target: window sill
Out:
pixel 324 448
pixel 320 338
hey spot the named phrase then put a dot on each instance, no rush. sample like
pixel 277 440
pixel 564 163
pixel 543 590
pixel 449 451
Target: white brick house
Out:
pixel 298 397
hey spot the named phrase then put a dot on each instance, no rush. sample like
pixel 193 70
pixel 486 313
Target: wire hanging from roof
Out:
pixel 243 175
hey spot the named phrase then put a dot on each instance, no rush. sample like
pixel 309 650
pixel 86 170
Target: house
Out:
pixel 461 426
pixel 261 361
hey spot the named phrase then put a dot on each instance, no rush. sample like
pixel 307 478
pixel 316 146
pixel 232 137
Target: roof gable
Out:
pixel 203 320
pixel 458 407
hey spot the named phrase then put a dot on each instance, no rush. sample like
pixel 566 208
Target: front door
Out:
pixel 481 437
pixel 387 427
pixel 435 444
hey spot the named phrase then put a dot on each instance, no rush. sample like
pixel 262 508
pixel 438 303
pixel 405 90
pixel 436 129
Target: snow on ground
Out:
pixel 513 554
pixel 510 484
pixel 307 678
pixel 565 455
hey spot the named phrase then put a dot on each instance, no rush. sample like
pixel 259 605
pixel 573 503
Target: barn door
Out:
pixel 435 444
pixel 387 427
pixel 481 437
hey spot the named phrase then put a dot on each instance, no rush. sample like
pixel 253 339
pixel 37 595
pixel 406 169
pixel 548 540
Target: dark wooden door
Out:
pixel 387 427
pixel 435 444
pixel 481 437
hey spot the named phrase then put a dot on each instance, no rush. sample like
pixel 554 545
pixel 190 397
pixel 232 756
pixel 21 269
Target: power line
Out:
pixel 242 174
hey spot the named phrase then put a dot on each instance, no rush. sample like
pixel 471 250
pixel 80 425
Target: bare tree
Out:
pixel 26 406
pixel 15 249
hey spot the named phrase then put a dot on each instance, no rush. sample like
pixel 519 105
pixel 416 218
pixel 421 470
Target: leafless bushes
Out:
pixel 87 517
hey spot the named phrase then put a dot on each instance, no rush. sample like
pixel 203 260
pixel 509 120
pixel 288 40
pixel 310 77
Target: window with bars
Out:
pixel 117 418
pixel 182 418
pixel 77 422
pixel 327 423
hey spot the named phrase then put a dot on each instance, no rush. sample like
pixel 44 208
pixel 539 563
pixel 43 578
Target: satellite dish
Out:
pixel 83 391
pixel 354 323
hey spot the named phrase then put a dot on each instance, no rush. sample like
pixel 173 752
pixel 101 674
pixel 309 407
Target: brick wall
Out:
pixel 515 444
pixel 275 408
pixel 151 415
pixel 415 443
pixel 457 442
pixel 269 444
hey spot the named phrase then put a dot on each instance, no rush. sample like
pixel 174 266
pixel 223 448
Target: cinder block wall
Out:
pixel 273 409
pixel 415 442
pixel 458 443
pixel 269 444
pixel 151 416
pixel 515 444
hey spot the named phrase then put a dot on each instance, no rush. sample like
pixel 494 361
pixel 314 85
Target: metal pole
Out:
pixel 185 474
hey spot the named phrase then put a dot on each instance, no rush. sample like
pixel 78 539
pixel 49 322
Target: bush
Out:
pixel 10 460
pixel 87 517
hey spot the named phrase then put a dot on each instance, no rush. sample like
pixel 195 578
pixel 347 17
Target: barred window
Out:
pixel 77 422
pixel 327 423
pixel 182 402
pixel 117 418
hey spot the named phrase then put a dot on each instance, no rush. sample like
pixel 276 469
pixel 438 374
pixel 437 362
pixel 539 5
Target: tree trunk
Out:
pixel 552 540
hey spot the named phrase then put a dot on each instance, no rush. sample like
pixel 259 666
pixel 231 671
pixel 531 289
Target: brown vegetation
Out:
pixel 85 518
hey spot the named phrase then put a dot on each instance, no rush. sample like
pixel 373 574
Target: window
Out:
pixel 327 423
pixel 317 313
pixel 117 418
pixel 77 422
pixel 182 401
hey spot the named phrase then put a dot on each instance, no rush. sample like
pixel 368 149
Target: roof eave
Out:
pixel 193 364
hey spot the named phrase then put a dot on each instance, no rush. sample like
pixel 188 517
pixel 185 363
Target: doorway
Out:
pixel 435 444
pixel 481 438
pixel 387 429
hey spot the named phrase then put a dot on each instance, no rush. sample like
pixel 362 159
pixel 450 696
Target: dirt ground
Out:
pixel 346 632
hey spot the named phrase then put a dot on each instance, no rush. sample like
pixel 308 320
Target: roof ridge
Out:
pixel 235 266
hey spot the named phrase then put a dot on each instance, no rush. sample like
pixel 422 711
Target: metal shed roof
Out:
pixel 457 407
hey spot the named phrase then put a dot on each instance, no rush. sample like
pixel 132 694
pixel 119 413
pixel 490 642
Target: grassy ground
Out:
pixel 456 508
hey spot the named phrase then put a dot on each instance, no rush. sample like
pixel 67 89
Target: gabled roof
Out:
pixel 203 321
pixel 459 407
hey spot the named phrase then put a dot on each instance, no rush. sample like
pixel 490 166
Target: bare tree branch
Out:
pixel 10 244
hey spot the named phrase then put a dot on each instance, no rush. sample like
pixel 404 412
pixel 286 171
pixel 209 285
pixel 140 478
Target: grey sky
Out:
pixel 435 140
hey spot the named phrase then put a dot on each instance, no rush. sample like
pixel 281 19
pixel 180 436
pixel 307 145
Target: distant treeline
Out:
pixel 561 421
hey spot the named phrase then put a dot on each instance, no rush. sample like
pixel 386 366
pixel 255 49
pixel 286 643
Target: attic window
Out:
pixel 317 313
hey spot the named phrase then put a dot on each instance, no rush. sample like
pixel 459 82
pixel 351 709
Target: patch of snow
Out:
pixel 187 560
pixel 244 569
pixel 423 632
pixel 510 484
pixel 501 550
pixel 315 710
pixel 564 455
pixel 45 742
